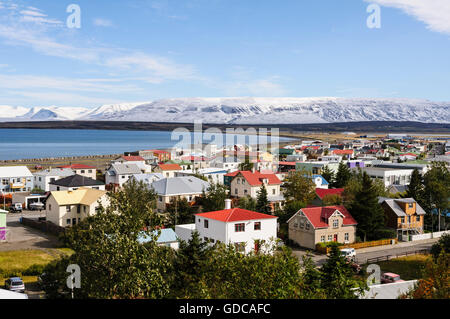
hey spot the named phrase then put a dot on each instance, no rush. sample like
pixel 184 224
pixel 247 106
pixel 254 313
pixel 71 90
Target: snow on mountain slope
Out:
pixel 248 111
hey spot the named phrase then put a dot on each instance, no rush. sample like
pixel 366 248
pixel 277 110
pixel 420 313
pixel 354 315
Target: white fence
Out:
pixel 424 236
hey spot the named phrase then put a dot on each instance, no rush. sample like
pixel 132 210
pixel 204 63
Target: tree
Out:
pixel 328 174
pixel 332 199
pixel 366 210
pixel 214 197
pixel 179 211
pixel 262 203
pixel 114 264
pixel 299 187
pixel 442 244
pixel 435 282
pixel 337 277
pixel 415 187
pixel 247 202
pixel 436 190
pixel 246 166
pixel 342 177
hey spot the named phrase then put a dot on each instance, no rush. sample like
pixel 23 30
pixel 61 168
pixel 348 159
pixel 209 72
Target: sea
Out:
pixel 46 143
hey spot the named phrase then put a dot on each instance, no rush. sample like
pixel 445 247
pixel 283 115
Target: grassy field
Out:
pixel 409 267
pixel 15 263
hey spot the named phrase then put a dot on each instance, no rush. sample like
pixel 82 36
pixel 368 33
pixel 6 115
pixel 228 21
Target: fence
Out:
pixel 45 226
pixel 382 242
pixel 423 236
pixel 388 257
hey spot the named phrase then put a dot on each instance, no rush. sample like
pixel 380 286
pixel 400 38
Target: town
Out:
pixel 337 204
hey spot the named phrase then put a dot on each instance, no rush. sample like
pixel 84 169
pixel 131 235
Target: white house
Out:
pixel 117 174
pixel 214 175
pixel 245 229
pixel 15 179
pixel 139 161
pixel 389 176
pixel 42 179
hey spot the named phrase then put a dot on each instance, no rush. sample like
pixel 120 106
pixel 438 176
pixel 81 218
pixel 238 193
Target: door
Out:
pixel 335 237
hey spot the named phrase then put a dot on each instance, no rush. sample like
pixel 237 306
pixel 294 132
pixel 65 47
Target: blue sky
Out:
pixel 142 50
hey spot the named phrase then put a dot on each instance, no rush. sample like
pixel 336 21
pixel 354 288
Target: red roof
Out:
pixel 77 166
pixel 343 152
pixel 234 215
pixel 321 192
pixel 170 167
pixel 409 154
pixel 318 216
pixel 133 158
pixel 157 151
pixel 287 163
pixel 255 179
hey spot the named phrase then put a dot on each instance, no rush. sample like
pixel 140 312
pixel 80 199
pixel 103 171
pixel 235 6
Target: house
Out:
pixel 245 229
pixel 313 225
pixel 405 215
pixel 161 155
pixel 389 176
pixel 147 179
pixel 169 189
pixel 83 170
pixel 316 167
pixel 168 170
pixel 74 182
pixel 347 153
pixel 319 181
pixel 3 214
pixel 137 160
pixel 167 237
pixel 323 193
pixel 247 183
pixel 214 175
pixel 42 179
pixel 395 189
pixel 229 165
pixel 15 179
pixel 67 208
pixel 118 174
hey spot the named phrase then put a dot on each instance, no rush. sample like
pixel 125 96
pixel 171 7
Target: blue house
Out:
pixel 167 238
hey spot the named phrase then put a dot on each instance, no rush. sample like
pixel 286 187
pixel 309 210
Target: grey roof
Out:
pixel 180 185
pixel 399 188
pixel 148 178
pixel 388 291
pixel 392 203
pixel 121 169
pixel 55 172
pixel 76 181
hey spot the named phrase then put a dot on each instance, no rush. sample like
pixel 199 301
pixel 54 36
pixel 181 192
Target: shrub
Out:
pixel 34 270
pixel 385 233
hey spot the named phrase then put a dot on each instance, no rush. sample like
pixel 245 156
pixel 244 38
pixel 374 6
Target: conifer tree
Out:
pixel 262 203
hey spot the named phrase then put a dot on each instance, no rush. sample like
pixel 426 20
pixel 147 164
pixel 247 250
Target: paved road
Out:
pixel 363 254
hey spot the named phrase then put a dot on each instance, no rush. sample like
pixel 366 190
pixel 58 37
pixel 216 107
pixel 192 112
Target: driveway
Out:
pixel 20 237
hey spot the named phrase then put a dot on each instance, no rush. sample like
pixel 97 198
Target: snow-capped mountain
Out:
pixel 246 111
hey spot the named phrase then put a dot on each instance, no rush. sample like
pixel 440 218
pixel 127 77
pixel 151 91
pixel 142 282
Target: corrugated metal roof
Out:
pixel 180 185
pixel 15 171
pixel 125 169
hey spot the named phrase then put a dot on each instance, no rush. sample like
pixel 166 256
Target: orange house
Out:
pixel 404 214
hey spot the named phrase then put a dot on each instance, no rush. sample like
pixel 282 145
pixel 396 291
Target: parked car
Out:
pixel 349 253
pixel 15 284
pixel 15 208
pixel 389 277
pixel 36 206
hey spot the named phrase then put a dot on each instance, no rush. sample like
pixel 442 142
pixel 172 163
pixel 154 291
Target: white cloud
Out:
pixel 434 13
pixel 100 22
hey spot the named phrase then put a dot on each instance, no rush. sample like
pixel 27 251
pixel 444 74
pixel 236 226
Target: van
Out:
pixel 349 253
pixel 15 208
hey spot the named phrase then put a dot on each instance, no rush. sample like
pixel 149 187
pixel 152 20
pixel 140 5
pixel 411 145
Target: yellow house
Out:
pixel 67 208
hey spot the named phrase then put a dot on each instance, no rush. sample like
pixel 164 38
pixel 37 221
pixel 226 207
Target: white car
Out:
pixel 349 253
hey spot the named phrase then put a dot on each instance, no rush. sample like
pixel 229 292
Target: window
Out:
pixel 336 223
pixel 302 224
pixel 410 205
pixel 82 171
pixel 49 207
pixel 240 247
pixel 307 226
pixel 238 180
pixel 206 223
pixel 322 238
pixel 402 219
pixel 160 198
pixel 236 191
pixel 257 226
pixel 205 239
pixel 346 236
pixel 90 171
pixel 68 221
pixel 330 237
pixel 273 191
pixel 417 218
pixel 245 191
pixel 68 208
pixel 239 228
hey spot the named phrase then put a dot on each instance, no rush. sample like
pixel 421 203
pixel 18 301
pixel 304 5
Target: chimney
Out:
pixel 227 203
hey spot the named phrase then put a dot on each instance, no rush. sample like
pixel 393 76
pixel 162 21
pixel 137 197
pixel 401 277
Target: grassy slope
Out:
pixel 408 268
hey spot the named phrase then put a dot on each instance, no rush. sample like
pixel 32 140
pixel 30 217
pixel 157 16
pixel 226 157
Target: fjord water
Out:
pixel 44 143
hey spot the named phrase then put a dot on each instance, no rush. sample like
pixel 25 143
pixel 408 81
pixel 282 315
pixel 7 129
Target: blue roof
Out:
pixel 324 181
pixel 167 236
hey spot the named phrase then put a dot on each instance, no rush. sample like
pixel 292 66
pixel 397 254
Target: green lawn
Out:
pixel 409 267
pixel 14 263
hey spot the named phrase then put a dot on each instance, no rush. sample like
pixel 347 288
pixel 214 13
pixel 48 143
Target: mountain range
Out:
pixel 243 111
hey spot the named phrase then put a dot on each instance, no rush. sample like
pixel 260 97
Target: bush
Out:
pixel 329 244
pixel 34 270
pixel 385 233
